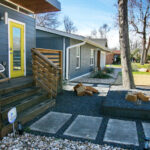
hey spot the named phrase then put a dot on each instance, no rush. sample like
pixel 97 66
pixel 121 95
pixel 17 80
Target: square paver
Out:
pixel 68 88
pixel 122 132
pixel 146 127
pixel 85 127
pixel 51 122
pixel 103 86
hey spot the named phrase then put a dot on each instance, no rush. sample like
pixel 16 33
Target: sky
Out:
pixel 91 14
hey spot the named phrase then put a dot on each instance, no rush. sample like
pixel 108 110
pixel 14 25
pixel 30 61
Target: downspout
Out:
pixel 67 57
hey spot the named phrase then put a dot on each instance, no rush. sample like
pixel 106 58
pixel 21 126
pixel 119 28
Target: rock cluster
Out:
pixel 32 142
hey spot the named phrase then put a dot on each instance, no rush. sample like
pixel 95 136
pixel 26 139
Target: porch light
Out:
pixel 5 18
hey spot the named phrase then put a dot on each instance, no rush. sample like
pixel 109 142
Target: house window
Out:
pixel 77 57
pixel 92 57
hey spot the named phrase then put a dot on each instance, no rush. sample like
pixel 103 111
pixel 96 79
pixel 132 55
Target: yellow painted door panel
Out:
pixel 16 49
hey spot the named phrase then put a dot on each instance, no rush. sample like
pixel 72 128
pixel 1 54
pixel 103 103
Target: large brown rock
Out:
pixel 80 91
pixel 90 93
pixel 142 97
pixel 89 88
pixel 131 97
pixel 77 86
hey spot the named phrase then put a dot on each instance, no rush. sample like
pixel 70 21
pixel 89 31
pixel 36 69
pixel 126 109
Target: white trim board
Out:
pixel 9 44
pixel 81 76
pixel 17 10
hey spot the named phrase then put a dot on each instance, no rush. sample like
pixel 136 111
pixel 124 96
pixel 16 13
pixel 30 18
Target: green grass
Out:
pixel 141 73
pixel 136 64
pixel 137 73
pixel 141 66
pixel 118 66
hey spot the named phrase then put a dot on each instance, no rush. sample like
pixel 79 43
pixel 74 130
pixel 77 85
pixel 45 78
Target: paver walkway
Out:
pixel 78 118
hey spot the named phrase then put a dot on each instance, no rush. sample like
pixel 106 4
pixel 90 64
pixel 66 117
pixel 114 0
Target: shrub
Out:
pixel 101 74
pixel 109 70
pixel 134 68
pixel 148 67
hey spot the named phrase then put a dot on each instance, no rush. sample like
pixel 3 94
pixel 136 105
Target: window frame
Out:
pixel 92 57
pixel 78 57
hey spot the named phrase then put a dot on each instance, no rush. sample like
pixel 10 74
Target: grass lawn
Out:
pixel 141 66
pixel 134 64
pixel 140 78
pixel 117 66
pixel 141 73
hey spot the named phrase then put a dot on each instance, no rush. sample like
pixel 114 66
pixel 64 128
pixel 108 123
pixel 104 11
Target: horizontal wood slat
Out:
pixel 46 72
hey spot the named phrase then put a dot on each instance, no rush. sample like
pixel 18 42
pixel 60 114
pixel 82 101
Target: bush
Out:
pixel 134 68
pixel 101 75
pixel 148 67
pixel 109 70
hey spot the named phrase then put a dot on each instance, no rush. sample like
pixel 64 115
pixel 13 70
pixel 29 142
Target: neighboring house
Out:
pixel 18 33
pixel 102 42
pixel 113 57
pixel 80 55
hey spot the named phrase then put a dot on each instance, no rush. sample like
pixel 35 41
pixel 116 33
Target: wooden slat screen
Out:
pixel 47 70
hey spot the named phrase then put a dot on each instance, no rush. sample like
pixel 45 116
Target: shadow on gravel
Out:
pixel 68 102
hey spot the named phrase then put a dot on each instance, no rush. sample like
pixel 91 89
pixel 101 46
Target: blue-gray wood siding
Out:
pixel 30 36
pixel 52 41
pixel 85 67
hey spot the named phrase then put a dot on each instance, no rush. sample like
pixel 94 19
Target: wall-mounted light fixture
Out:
pixel 5 18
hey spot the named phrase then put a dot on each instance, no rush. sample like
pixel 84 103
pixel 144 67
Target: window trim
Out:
pixel 92 57
pixel 78 56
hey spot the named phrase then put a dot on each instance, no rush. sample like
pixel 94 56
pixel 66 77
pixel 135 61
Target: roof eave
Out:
pixel 38 6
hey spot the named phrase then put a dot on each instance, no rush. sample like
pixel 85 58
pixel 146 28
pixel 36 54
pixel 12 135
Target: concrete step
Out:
pixel 17 95
pixel 29 115
pixel 24 104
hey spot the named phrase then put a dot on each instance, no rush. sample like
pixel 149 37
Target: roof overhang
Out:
pixel 39 6
pixel 98 45
pixel 74 36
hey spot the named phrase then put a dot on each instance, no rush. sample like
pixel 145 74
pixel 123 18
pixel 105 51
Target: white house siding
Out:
pixel 84 61
pixel 103 60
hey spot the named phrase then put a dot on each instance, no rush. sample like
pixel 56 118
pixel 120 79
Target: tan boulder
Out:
pixel 131 97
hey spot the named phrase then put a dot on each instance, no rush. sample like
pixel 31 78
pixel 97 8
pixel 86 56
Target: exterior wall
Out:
pixel 48 40
pixel 52 41
pixel 84 60
pixel 30 36
pixel 103 60
pixel 109 58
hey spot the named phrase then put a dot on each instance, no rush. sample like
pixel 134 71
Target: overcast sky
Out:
pixel 91 14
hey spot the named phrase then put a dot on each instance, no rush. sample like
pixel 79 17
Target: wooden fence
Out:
pixel 47 70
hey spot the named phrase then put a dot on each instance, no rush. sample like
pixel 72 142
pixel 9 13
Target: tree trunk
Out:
pixel 147 49
pixel 143 56
pixel 127 76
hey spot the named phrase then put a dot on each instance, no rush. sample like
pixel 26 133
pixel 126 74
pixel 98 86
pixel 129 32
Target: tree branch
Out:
pixel 135 27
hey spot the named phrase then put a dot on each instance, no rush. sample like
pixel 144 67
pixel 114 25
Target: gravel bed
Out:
pixel 88 79
pixel 32 142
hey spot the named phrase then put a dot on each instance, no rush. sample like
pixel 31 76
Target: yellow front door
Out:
pixel 16 50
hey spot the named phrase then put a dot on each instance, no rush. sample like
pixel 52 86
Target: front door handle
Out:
pixel 10 49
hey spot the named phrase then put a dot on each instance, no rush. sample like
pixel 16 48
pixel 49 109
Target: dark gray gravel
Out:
pixel 68 102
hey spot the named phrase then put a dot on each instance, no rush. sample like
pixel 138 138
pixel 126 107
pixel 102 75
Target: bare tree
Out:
pixel 103 30
pixel 94 33
pixel 69 25
pixel 139 12
pixel 127 76
pixel 48 20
